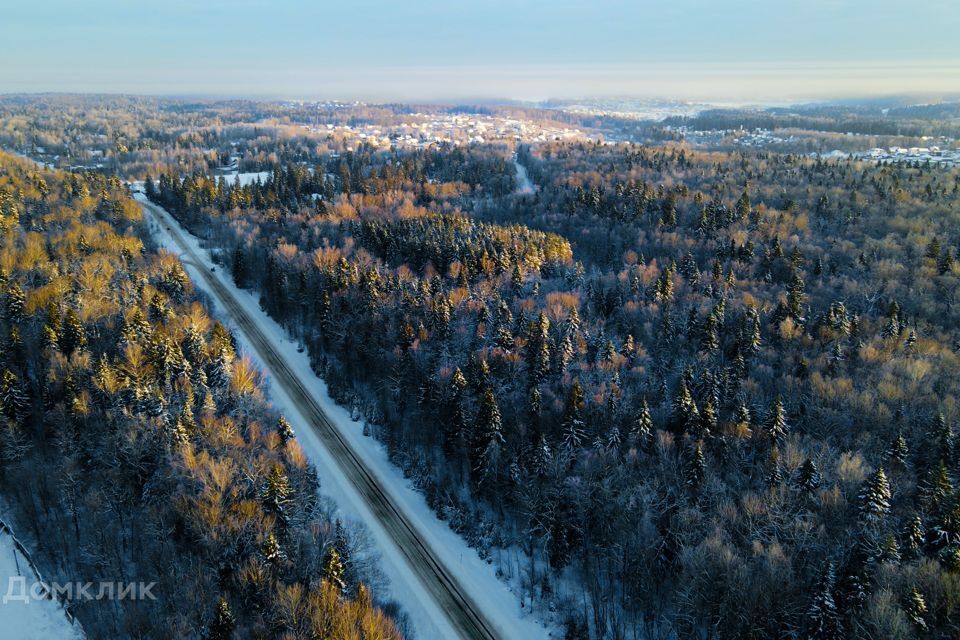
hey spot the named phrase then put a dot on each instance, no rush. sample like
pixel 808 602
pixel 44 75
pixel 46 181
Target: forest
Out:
pixel 714 392
pixel 137 443
pixel 674 392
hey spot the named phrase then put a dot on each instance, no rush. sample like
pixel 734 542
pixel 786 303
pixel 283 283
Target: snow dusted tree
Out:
pixel 222 625
pixel 333 571
pixel 284 430
pixel 573 427
pixel 277 495
pixel 913 537
pixel 685 415
pixel 641 433
pixel 696 470
pixel 875 498
pixel 776 426
pixel 808 477
pixel 916 609
pixel 823 618
pixel 897 451
pixel 487 440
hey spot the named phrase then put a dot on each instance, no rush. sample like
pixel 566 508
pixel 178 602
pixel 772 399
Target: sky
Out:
pixel 381 50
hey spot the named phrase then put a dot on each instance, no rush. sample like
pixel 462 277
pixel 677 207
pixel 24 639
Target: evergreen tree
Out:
pixel 743 421
pixel 538 349
pixel 808 478
pixel 913 537
pixel 16 303
pixel 573 427
pixel 897 451
pixel 875 498
pixel 685 415
pixel 333 571
pixel 776 426
pixel 916 609
pixel 641 432
pixel 696 469
pixel 222 625
pixel 487 439
pixel 823 620
pixel 72 335
pixel 277 495
pixel 284 430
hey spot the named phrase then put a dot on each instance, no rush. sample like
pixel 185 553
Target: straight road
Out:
pixel 463 613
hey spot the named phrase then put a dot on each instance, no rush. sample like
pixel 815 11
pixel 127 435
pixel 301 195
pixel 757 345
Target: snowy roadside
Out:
pixel 23 616
pixel 477 576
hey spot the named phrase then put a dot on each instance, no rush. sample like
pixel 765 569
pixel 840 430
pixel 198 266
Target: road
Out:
pixel 463 613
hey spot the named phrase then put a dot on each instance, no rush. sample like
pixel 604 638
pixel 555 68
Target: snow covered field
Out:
pixel 477 576
pixel 31 619
pixel 245 178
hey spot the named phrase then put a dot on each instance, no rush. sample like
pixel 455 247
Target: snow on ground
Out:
pixel 525 186
pixel 477 576
pixel 33 619
pixel 245 178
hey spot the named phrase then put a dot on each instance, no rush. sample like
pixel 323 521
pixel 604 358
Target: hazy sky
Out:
pixel 447 49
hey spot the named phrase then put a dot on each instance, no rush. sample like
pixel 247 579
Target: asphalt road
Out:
pixel 463 613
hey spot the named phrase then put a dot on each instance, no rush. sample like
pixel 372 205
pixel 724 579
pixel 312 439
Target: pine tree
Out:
pixel 277 495
pixel 16 303
pixel 573 427
pixel 776 426
pixel 72 335
pixel 937 486
pixel 333 571
pixel 942 435
pixel 823 618
pixel 916 609
pixel 538 349
pixel 222 625
pixel 808 478
pixel 641 433
pixel 913 537
pixel 685 415
pixel 707 425
pixel 696 469
pixel 271 550
pixel 284 430
pixel 897 451
pixel 487 439
pixel 875 498
pixel 743 424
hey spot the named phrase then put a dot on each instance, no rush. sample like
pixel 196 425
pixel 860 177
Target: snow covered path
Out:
pixel 446 589
pixel 525 185
pixel 30 619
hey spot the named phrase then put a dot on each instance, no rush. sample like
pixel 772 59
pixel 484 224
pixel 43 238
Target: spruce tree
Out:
pixel 685 415
pixel 696 469
pixel 641 433
pixel 913 537
pixel 277 495
pixel 874 498
pixel 808 478
pixel 333 571
pixel 776 426
pixel 573 427
pixel 487 439
pixel 916 609
pixel 823 620
pixel 284 430
pixel 222 625
pixel 897 451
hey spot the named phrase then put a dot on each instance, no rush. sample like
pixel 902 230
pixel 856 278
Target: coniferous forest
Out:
pixel 673 391
pixel 137 444
pixel 718 389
